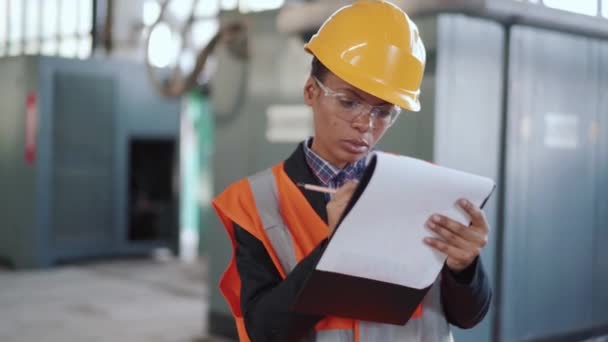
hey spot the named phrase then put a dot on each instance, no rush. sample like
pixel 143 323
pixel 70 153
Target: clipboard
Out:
pixel 349 295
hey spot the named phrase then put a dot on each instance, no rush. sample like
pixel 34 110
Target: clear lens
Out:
pixel 350 109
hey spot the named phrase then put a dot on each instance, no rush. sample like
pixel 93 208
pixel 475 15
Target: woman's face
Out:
pixel 338 140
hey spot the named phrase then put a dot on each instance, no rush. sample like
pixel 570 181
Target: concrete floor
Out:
pixel 131 301
pixel 134 300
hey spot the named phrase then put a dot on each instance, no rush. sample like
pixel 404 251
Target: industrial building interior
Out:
pixel 121 120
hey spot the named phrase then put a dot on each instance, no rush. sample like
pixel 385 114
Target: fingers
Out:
pixel 345 192
pixel 478 218
pixel 454 231
pixel 455 255
pixel 460 243
pixel 338 203
pixel 451 237
pixel 348 187
pixel 457 258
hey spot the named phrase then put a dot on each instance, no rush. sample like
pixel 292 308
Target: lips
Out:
pixel 355 146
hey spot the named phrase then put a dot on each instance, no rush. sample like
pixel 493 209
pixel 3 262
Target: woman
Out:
pixel 368 62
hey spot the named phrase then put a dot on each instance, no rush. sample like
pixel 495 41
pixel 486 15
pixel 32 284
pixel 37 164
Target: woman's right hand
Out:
pixel 335 207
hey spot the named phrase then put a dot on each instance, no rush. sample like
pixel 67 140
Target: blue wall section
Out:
pixel 554 228
pixel 468 117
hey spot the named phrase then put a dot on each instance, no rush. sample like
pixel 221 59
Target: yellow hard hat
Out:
pixel 374 46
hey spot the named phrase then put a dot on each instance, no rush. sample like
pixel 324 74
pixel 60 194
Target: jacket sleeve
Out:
pixel 466 296
pixel 266 298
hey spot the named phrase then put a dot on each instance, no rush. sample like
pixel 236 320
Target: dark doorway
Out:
pixel 152 210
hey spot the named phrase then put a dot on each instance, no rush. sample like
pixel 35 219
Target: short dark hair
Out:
pixel 318 70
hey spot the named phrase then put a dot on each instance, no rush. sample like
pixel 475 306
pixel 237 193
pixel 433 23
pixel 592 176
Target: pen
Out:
pixel 317 188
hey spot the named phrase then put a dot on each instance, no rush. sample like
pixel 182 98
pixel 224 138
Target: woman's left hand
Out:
pixel 462 244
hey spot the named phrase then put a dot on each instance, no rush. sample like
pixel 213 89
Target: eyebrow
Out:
pixel 351 91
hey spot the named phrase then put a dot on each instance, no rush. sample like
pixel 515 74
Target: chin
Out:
pixel 349 158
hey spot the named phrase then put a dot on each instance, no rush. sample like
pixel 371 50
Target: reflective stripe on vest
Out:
pixel 431 327
pixel 265 195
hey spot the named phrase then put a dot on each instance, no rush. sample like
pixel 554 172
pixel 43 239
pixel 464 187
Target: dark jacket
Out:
pixel 266 297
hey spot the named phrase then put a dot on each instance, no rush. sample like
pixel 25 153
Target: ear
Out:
pixel 309 91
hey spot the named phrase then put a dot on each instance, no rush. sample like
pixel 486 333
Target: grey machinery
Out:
pixel 101 181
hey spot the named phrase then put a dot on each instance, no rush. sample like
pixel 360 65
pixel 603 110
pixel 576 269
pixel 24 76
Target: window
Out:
pixel 49 19
pixel 68 29
pixel 229 5
pixel 165 40
pixel 202 32
pixel 259 5
pixel 69 17
pixel 151 11
pixel 15 27
pixel 86 45
pixel 3 27
pixel 68 47
pixel 49 47
pixel 587 7
pixel 32 27
pixel 206 9
pixel 84 28
pixel 163 47
pixel 180 9
pixel 48 27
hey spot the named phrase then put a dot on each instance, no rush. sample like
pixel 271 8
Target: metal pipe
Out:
pixel 94 30
pixel 109 27
pixel 501 188
pixel 8 25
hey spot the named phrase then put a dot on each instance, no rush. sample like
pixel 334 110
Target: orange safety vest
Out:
pixel 237 205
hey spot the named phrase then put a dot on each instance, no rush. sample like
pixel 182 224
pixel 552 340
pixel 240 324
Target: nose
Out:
pixel 364 122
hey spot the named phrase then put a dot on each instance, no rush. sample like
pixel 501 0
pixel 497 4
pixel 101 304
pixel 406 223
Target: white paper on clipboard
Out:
pixel 382 236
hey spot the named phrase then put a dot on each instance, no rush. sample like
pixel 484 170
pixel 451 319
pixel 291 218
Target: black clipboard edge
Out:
pixel 392 304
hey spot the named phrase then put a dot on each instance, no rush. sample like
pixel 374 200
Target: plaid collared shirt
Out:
pixel 329 175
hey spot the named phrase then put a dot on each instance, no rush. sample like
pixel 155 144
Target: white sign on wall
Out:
pixel 561 131
pixel 288 123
